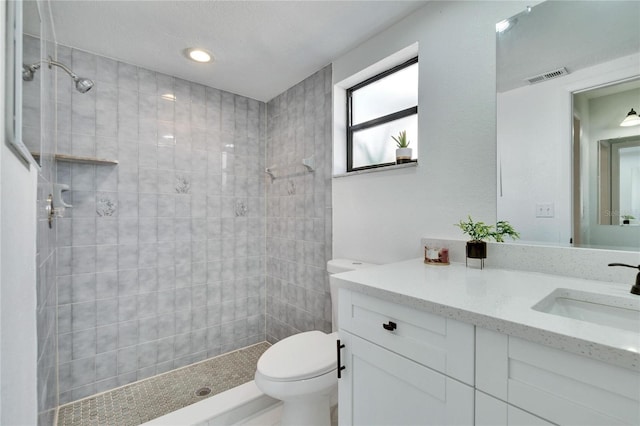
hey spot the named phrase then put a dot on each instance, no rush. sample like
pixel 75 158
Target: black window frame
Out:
pixel 375 121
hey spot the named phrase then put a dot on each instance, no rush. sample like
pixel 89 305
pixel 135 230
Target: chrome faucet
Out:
pixel 635 289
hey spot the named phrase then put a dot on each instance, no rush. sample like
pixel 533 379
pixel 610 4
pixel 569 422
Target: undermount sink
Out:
pixel 611 311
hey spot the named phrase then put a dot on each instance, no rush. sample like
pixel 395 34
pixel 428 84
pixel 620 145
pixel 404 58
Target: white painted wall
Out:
pixel 380 217
pixel 534 149
pixel 18 396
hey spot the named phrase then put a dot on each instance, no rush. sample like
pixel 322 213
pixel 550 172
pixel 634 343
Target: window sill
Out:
pixel 378 169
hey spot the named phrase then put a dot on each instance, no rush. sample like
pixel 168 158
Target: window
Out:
pixel 377 109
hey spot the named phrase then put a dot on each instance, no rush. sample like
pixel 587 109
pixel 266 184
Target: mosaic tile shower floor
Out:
pixel 148 399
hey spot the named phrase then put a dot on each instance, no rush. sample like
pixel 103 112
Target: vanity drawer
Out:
pixel 442 344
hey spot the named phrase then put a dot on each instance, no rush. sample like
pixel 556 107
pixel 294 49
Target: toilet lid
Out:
pixel 301 356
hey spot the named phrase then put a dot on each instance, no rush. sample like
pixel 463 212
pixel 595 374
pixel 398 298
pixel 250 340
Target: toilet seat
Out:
pixel 299 357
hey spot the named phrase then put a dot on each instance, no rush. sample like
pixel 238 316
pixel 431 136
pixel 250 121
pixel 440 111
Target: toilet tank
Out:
pixel 335 266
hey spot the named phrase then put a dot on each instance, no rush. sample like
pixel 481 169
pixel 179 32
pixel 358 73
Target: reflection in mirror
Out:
pixel 548 139
pixel 609 192
pixel 608 187
pixel 619 189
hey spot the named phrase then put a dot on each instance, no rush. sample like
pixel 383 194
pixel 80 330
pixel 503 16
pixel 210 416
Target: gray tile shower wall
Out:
pixel 299 208
pixel 161 260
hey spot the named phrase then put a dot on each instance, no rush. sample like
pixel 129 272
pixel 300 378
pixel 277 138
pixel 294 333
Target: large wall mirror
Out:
pixel 568 74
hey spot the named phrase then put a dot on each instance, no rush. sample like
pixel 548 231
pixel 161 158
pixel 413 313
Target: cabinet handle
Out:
pixel 340 367
pixel 390 326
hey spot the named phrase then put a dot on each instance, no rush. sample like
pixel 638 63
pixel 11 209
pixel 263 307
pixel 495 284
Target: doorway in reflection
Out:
pixel 608 183
pixel 619 185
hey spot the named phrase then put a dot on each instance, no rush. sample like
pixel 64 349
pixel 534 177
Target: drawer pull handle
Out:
pixel 340 367
pixel 390 326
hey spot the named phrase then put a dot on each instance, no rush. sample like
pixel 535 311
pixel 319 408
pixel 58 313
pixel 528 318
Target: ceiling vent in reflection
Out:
pixel 548 75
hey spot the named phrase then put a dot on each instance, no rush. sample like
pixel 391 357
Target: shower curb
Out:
pixel 226 408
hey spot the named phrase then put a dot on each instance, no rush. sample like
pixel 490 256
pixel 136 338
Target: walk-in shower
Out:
pixel 83 85
pixel 164 263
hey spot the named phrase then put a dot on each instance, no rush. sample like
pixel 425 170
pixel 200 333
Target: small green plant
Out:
pixel 477 231
pixel 401 139
pixel 480 231
pixel 628 217
pixel 504 228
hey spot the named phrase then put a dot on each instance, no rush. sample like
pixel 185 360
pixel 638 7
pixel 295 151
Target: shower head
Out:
pixel 83 85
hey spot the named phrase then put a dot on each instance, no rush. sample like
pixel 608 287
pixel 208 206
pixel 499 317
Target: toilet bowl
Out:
pixel 301 369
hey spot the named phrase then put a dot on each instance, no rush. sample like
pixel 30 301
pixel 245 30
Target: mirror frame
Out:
pixel 13 86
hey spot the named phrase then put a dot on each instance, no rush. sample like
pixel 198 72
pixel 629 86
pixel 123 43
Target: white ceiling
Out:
pixel 261 48
pixel 571 34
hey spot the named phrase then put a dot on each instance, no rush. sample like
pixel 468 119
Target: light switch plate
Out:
pixel 544 210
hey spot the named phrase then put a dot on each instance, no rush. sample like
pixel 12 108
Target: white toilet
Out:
pixel 301 369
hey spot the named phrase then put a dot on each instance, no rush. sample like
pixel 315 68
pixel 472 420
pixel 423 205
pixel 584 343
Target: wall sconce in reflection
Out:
pixel 631 119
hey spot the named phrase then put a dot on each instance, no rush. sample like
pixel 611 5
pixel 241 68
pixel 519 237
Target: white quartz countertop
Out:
pixel 501 300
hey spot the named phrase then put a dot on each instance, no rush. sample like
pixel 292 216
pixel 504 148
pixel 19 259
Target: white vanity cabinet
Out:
pixel 408 361
pixel 403 366
pixel 560 387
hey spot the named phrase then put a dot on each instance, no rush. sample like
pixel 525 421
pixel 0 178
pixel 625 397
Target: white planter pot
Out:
pixel 403 155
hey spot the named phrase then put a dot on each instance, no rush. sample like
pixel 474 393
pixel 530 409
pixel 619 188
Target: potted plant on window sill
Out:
pixel 479 232
pixel 403 152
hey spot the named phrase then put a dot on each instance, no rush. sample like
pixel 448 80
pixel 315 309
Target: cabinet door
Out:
pixel 493 412
pixel 380 387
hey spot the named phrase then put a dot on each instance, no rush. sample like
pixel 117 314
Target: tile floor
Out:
pixel 148 399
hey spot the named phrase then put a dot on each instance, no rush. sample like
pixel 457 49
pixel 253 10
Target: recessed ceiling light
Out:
pixel 168 97
pixel 506 24
pixel 502 26
pixel 198 55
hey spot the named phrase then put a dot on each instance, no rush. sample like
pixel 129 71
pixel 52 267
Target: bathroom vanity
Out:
pixel 439 346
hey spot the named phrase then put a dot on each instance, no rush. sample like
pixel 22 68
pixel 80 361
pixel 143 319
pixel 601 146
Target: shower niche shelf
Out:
pixel 81 160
